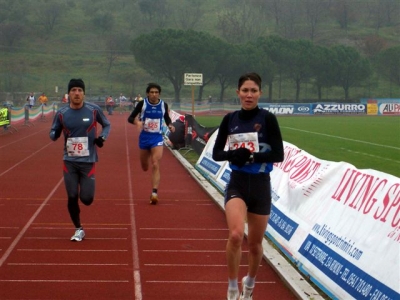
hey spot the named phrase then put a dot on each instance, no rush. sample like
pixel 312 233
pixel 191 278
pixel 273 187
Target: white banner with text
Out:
pixel 339 224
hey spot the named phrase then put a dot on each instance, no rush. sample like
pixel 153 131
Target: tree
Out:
pixel 323 69
pixel 351 69
pixel 188 14
pixel 387 63
pixel 10 34
pixel 315 11
pixel 343 12
pixel 296 60
pixel 50 13
pixel 241 23
pixel 104 20
pixel 181 52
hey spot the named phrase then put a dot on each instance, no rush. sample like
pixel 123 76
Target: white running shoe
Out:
pixel 79 235
pixel 153 199
pixel 232 294
pixel 247 292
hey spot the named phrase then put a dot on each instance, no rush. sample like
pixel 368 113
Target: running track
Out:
pixel 132 250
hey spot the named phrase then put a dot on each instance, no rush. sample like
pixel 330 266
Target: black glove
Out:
pixel 239 157
pixel 99 141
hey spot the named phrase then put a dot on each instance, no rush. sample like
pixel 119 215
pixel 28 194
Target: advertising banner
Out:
pixel 339 108
pixel 288 109
pixel 339 224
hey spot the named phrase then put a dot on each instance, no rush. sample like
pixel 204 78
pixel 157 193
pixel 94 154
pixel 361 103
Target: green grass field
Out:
pixel 367 142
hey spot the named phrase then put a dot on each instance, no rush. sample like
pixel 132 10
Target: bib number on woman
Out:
pixel 78 146
pixel 247 140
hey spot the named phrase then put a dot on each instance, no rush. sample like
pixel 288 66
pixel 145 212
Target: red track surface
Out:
pixel 132 250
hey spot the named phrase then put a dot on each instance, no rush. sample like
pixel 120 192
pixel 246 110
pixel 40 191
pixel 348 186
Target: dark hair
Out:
pixel 153 85
pixel 250 76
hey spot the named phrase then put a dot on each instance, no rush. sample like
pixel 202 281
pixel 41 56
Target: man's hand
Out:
pixel 239 157
pixel 99 141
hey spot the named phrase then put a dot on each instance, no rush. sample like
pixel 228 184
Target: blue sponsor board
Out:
pixel 210 165
pixel 282 224
pixel 339 108
pixel 349 277
pixel 302 109
pixel 288 109
pixel 226 176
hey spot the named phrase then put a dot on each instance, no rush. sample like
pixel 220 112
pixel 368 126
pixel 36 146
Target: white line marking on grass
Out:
pixel 22 232
pixel 374 156
pixel 343 138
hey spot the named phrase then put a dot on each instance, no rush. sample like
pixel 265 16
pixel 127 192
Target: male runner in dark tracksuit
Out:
pixel 78 121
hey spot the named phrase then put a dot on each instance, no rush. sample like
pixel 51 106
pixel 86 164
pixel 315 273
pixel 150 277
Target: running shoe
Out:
pixel 247 292
pixel 79 235
pixel 232 294
pixel 153 199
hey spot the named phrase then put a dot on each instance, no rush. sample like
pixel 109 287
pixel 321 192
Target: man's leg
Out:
pixel 71 181
pixel 87 183
pixel 156 155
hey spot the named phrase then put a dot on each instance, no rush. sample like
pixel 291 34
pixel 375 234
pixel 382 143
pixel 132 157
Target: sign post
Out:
pixel 193 79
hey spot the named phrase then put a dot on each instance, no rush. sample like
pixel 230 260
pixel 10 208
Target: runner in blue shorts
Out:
pixel 254 143
pixel 79 121
pixel 148 116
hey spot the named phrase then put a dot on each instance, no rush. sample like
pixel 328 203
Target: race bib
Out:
pixel 152 125
pixel 78 146
pixel 247 140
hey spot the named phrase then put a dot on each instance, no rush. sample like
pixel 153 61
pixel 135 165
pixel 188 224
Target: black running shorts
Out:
pixel 253 189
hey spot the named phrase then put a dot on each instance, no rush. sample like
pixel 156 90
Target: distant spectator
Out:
pixel 110 103
pixel 65 99
pixel 43 99
pixel 31 100
pixel 138 98
pixel 176 139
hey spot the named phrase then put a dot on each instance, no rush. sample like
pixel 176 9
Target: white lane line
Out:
pixel 343 138
pixel 181 239
pixel 65 281
pixel 188 251
pixel 186 229
pixel 202 282
pixel 188 265
pixel 24 137
pixel 86 227
pixel 63 238
pixel 135 248
pixel 71 250
pixel 22 232
pixel 62 264
pixel 26 158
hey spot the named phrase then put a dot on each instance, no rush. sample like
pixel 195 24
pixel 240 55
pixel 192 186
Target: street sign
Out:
pixel 193 79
